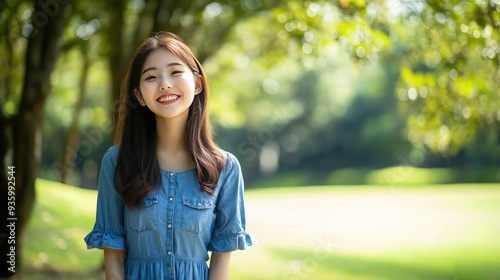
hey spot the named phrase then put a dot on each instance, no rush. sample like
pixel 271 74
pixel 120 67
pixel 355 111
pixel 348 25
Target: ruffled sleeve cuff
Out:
pixel 98 239
pixel 233 242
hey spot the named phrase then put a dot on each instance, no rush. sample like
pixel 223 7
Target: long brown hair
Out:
pixel 137 170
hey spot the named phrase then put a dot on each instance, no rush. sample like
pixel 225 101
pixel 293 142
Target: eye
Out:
pixel 177 72
pixel 149 78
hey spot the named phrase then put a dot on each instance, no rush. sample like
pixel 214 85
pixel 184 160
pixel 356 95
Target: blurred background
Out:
pixel 368 131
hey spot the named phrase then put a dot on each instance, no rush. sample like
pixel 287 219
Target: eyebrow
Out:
pixel 168 65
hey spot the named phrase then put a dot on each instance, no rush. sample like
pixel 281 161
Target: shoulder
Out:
pixel 231 178
pixel 110 156
pixel 231 162
pixel 112 152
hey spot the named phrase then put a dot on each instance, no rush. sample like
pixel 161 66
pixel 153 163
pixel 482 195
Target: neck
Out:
pixel 171 134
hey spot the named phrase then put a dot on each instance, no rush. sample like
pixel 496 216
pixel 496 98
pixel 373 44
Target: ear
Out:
pixel 138 95
pixel 198 84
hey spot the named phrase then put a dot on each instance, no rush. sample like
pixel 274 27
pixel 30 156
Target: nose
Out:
pixel 165 84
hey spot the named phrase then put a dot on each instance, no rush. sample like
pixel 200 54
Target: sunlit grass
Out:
pixel 62 216
pixel 431 232
pixel 355 232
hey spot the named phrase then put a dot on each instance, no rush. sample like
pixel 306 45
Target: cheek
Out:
pixel 147 87
pixel 188 82
pixel 192 87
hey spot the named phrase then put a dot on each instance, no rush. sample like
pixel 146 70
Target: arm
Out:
pixel 114 264
pixel 219 266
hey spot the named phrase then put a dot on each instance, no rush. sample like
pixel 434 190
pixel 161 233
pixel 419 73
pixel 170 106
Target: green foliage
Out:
pixel 450 74
pixel 12 20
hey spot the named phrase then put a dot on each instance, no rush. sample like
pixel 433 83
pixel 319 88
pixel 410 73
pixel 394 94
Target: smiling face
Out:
pixel 167 85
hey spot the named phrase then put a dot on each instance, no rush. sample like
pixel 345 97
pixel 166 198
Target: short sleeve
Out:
pixel 229 233
pixel 108 229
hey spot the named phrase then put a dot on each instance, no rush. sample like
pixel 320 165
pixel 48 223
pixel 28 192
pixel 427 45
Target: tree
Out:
pixel 450 75
pixel 44 42
pixel 73 134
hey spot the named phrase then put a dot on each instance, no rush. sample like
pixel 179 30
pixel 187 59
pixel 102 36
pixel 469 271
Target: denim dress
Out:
pixel 170 236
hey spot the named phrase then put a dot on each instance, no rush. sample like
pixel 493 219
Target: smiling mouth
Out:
pixel 167 98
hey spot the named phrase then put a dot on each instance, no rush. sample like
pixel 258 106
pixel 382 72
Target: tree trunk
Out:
pixel 73 135
pixel 117 62
pixel 43 49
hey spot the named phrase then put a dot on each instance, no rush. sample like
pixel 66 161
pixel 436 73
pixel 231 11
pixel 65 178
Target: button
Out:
pixel 199 204
pixel 171 174
pixel 171 199
pixel 169 225
pixel 169 253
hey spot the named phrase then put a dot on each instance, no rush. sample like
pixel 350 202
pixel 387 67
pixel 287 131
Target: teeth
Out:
pixel 168 98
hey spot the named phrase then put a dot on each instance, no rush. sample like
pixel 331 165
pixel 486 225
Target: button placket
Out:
pixel 170 212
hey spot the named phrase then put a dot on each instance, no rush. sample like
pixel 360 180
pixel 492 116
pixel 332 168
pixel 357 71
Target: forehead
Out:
pixel 160 58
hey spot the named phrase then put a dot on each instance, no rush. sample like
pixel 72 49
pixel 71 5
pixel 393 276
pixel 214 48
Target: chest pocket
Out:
pixel 196 214
pixel 144 218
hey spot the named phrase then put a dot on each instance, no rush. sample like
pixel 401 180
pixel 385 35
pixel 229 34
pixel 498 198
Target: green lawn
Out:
pixel 430 232
pixel 54 246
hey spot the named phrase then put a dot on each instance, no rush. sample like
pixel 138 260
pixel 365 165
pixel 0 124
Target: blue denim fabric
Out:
pixel 170 236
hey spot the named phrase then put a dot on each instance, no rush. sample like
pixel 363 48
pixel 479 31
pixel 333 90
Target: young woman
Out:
pixel 167 194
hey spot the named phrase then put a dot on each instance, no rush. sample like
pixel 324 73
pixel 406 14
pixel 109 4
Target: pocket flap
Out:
pixel 197 203
pixel 149 200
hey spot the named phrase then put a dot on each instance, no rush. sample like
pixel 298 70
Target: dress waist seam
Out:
pixel 166 258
